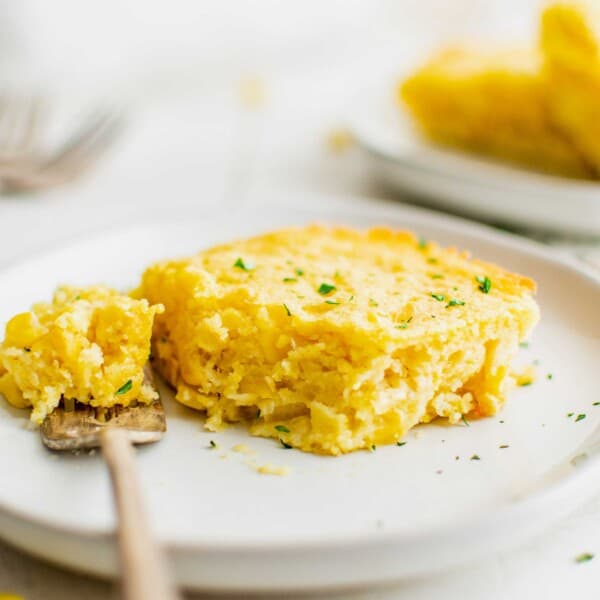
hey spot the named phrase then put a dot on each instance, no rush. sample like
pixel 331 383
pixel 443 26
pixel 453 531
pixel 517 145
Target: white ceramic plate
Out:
pixel 465 183
pixel 365 517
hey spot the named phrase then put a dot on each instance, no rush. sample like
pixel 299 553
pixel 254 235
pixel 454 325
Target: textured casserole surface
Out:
pixel 570 41
pixel 88 345
pixel 490 102
pixel 332 339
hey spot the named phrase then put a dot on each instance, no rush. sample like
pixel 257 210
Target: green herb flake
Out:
pixel 244 265
pixel 422 243
pixel 289 279
pixel 549 376
pixel 580 417
pixel 569 415
pixel 584 557
pixel 437 276
pixel 78 297
pixel 525 383
pixel 432 261
pixel 438 297
pixel 464 420
pixel 287 310
pixel 124 388
pixel 455 302
pixel 524 345
pixel 351 299
pixel 282 428
pixel 373 302
pixel 503 446
pixel 400 443
pixel 475 457
pixel 485 283
pixel 373 447
pixel 326 288
pixel 596 404
pixel 299 272
pixel 213 444
pixel 334 302
pixel 285 444
pixel 258 413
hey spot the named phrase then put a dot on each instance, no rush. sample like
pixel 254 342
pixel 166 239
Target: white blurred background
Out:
pixel 156 47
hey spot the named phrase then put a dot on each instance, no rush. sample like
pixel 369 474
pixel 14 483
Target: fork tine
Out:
pixel 7 104
pixel 18 126
pixel 32 117
pixel 86 145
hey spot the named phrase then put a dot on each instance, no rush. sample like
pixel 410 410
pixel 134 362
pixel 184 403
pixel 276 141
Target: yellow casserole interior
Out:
pixel 332 339
pixel 88 345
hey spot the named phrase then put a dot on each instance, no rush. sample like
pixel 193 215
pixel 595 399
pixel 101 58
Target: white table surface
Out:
pixel 208 149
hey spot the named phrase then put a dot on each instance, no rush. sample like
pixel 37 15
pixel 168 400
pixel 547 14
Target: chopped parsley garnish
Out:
pixel 282 428
pixel 289 279
pixel 400 443
pixel 475 457
pixel 422 243
pixel 524 345
pixel 77 297
pixel 525 383
pixel 373 302
pixel 580 417
pixel 438 297
pixel 258 413
pixel 485 283
pixel 503 446
pixel 373 447
pixel 335 302
pixel 585 557
pixel 455 302
pixel 326 288
pixel 569 415
pixel 432 261
pixel 299 272
pixel 245 266
pixel 284 444
pixel 464 420
pixel 549 376
pixel 437 276
pixel 351 299
pixel 213 444
pixel 596 404
pixel 404 324
pixel 287 310
pixel 124 388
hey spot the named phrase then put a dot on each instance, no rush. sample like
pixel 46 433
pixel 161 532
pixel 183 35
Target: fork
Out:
pixel 75 426
pixel 25 167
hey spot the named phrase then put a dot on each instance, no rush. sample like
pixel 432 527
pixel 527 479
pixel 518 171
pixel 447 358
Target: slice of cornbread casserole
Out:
pixel 490 102
pixel 570 41
pixel 332 339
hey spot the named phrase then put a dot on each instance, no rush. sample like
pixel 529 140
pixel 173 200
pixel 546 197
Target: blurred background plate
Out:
pixel 465 183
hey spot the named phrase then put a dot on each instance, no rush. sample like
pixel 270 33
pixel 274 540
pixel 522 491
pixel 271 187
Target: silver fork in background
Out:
pixel 26 167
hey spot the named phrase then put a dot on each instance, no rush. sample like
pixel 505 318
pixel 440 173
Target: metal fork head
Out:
pixel 82 427
pixel 25 167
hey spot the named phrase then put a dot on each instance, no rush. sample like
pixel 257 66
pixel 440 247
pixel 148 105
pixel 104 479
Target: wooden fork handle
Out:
pixel 143 569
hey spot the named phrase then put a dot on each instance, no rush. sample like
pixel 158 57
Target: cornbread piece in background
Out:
pixel 332 339
pixel 570 41
pixel 88 345
pixel 490 102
